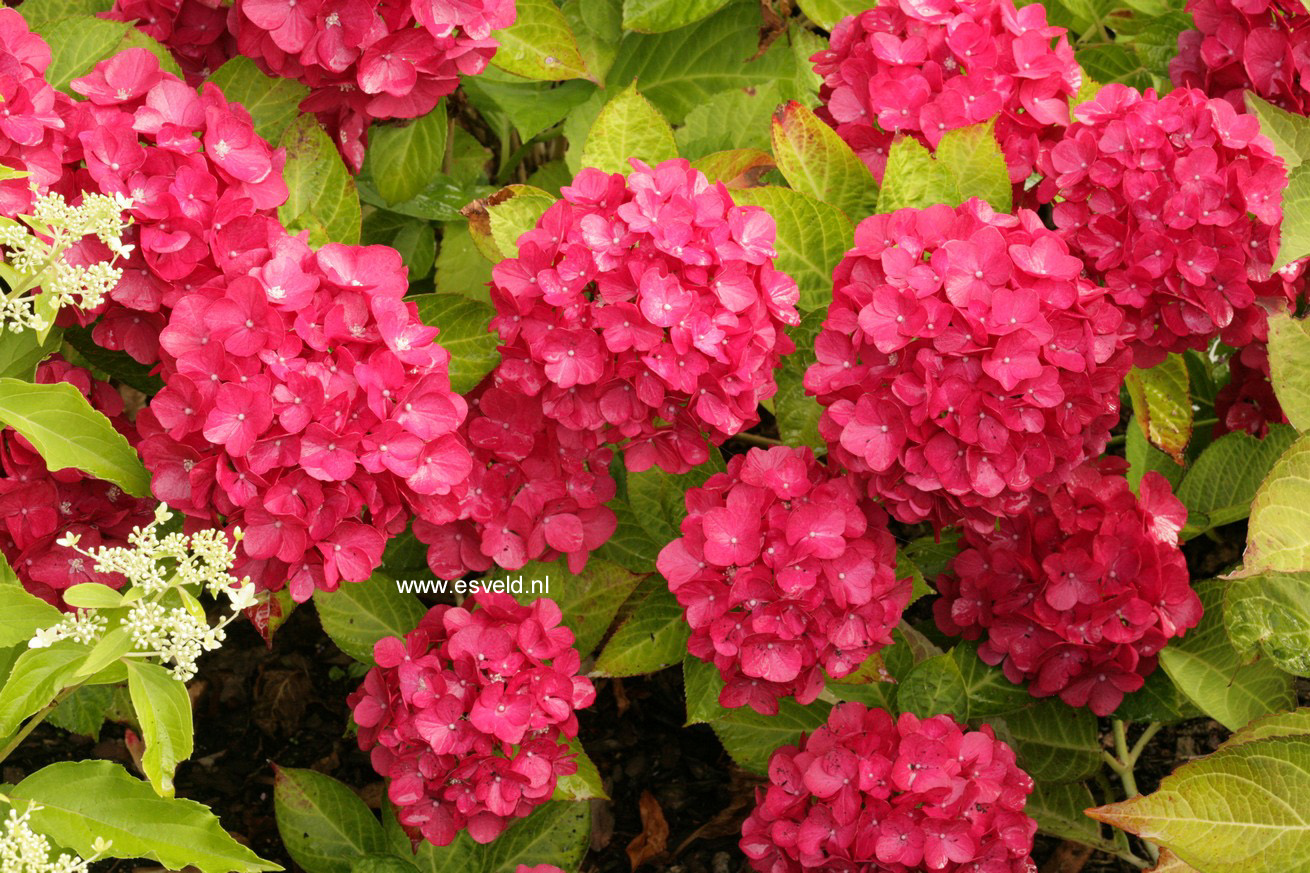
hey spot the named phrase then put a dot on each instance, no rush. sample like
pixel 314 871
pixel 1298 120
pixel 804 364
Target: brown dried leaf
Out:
pixel 654 836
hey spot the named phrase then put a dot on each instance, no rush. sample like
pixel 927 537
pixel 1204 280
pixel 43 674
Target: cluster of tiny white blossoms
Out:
pixel 34 251
pixel 154 566
pixel 23 850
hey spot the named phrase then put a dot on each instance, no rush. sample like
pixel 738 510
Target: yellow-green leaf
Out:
pixel 812 238
pixel 163 709
pixel 628 127
pixel 321 192
pixel 1289 366
pixel 402 160
pixel 1162 404
pixel 273 103
pixel 539 44
pixel 1278 533
pixel 814 159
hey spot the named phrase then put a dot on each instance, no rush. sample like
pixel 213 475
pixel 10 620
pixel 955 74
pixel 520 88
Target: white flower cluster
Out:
pixel 23 850
pixel 154 567
pixel 34 257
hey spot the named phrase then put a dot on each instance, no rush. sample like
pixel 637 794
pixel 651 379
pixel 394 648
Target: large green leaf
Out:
pixel 273 102
pixel 497 222
pixel 1289 365
pixel 968 163
pixel 628 127
pixel 555 833
pixel 539 44
pixel 814 159
pixel 83 712
pixel 1054 742
pixel 40 13
pixel 531 107
pixel 357 615
pixel 1145 458
pixel 812 238
pixel 798 413
pixel 630 546
pixel 1224 479
pixel 412 238
pixel 701 686
pixel 1205 666
pixel 1162 404
pixel 403 160
pixel 659 498
pixel 1294 242
pixel 958 683
pixel 1278 534
pixel 460 268
pixel 751 738
pixel 658 16
pixel 321 192
pixel 474 351
pixel 67 432
pixel 589 600
pixel 85 800
pixel 1280 724
pixel 733 119
pixel 21 614
pixel 1159 699
pixel 586 783
pixel 163 709
pixel 36 677
pixel 682 69
pixel 21 352
pixel 1289 132
pixel 1244 808
pixel 827 13
pixel 1269 614
pixel 912 178
pixel 597 26
pixel 324 825
pixel 1059 811
pixel 653 637
pixel 77 43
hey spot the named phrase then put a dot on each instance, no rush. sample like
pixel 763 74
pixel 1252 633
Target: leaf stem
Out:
pixel 1124 760
pixel 754 439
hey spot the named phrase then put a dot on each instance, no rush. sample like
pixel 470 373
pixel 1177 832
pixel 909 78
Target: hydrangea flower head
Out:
pixel 467 716
pixel 1077 595
pixel 38 504
pixel 787 576
pixel 1173 203
pixel 923 69
pixel 965 363
pixel 646 299
pixel 1247 402
pixel 872 792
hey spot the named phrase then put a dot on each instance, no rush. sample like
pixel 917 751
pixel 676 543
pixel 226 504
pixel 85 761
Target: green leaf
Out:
pixel 1145 458
pixel 1205 666
pixel 116 365
pixel 659 16
pixel 934 686
pixel 67 432
pixel 513 211
pixel 734 119
pixel 736 168
pixel 1058 809
pixel 21 352
pixel 812 238
pixel 474 351
pixel 36 677
pixel 1162 404
pixel 411 237
pixel 1278 534
pixel 628 127
pixel 933 554
pixel 92 595
pixel 815 160
pixel 40 13
pixel 751 738
pixel 702 685
pixel 990 694
pixel 324 825
pixel 1223 480
pixel 83 712
pixel 322 197
pixel 659 498
pixel 555 833
pixel 105 651
pixel 597 26
pixel 85 800
pixel 163 709
pixel 1241 809
pixel 1054 742
pixel 1280 724
pixel 1111 62
pixel 403 160
pixel 1269 614
pixel 1294 240
pixel 273 102
pixel 653 637
pixel 532 107
pixel 630 546
pixel 1289 132
pixel 382 864
pixel 1159 699
pixel 78 43
pixel 827 13
pixel 584 784
pixel 359 614
pixel 589 600
pixel 975 165
pixel 913 178
pixel 21 614
pixel 684 68
pixel 798 413
pixel 539 44
pixel 460 269
pixel 1289 365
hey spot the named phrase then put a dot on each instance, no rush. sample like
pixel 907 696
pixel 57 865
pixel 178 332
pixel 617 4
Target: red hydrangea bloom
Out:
pixel 466 717
pixel 870 792
pixel 1247 45
pixel 1079 594
pixel 1173 203
pixel 305 402
pixel 39 505
pixel 785 573
pixel 923 68
pixel 362 59
pixel 965 363
pixel 537 491
pixel 641 299
pixel 1247 402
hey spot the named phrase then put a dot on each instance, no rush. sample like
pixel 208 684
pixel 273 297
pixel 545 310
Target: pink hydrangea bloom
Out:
pixel 39 505
pixel 537 491
pixel 1247 402
pixel 1173 203
pixel 1246 45
pixel 786 575
pixel 1078 595
pixel 965 364
pixel 923 69
pixel 641 299
pixel 466 717
pixel 362 59
pixel 867 791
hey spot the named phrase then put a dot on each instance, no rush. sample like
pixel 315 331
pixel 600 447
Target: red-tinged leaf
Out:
pixel 735 168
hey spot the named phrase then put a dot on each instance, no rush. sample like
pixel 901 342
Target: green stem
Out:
pixel 1124 760
pixel 35 720
pixel 755 439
